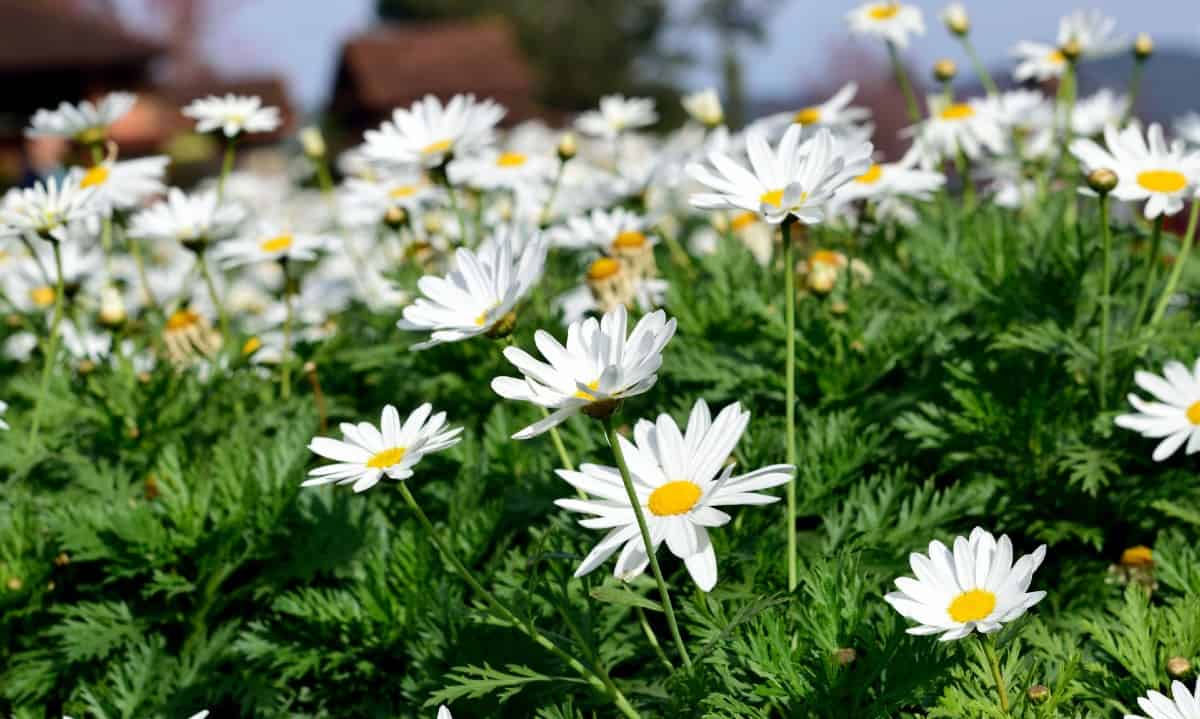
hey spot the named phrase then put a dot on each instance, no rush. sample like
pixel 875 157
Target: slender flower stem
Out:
pixel 1135 86
pixel 212 293
pixel 1105 300
pixel 135 248
pixel 789 318
pixel 1151 271
pixel 106 236
pixel 984 76
pixel 649 632
pixel 598 678
pixel 285 365
pixel 563 456
pixel 310 369
pixel 910 99
pixel 1177 268
pixel 989 648
pixel 457 209
pixel 226 167
pixel 324 179
pixel 1066 101
pixel 51 344
pixel 610 429
pixel 545 216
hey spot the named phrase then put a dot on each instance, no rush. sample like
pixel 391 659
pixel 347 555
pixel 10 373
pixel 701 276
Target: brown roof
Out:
pixel 37 35
pixel 394 65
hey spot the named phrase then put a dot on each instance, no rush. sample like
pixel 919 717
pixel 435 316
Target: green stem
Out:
pixel 324 179
pixel 650 637
pixel 285 365
pixel 1151 271
pixel 789 310
pixel 989 648
pixel 1066 101
pixel 212 294
pixel 457 209
pixel 910 99
pixel 1177 269
pixel 106 235
pixel 980 69
pixel 1105 299
pixel 135 248
pixel 226 167
pixel 545 216
pixel 1135 86
pixel 51 344
pixel 610 429
pixel 598 678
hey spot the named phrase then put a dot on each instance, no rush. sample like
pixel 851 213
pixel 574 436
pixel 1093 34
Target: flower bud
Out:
pixel 313 142
pixel 62 560
pixel 705 107
pixel 395 217
pixel 112 306
pixel 568 147
pixel 1179 667
pixel 1139 556
pixel 956 19
pixel 1143 46
pixel 944 70
pixel 1071 50
pixel 15 584
pixel 1102 180
pixel 845 656
pixel 1038 694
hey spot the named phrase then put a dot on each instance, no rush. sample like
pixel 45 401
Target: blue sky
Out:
pixel 300 38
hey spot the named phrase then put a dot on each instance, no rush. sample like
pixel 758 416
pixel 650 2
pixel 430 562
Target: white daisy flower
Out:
pixel 971 126
pixel 1175 416
pixel 368 453
pixel 1037 61
pixel 599 367
pixel 1097 111
pixel 892 21
pixel 31 283
pixel 477 297
pixel 86 122
pixel 790 180
pixel 271 242
pixel 888 184
pixel 48 209
pixel 835 113
pixel 681 478
pixel 429 133
pixel 954 16
pixel 444 712
pixel 3 409
pixel 233 115
pixel 1092 31
pixel 510 170
pixel 604 230
pixel 1182 704
pixel 704 107
pixel 1147 168
pixel 978 587
pixel 616 115
pixel 368 202
pixel 189 219
pixel 121 185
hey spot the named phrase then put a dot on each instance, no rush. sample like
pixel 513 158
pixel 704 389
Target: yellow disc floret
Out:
pixel 603 268
pixel 673 498
pixel 278 243
pixel 1162 180
pixel 957 111
pixel 871 176
pixel 972 605
pixel 386 458
pixel 95 177
pixel 511 159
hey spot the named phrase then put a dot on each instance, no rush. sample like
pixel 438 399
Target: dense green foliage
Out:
pixel 158 555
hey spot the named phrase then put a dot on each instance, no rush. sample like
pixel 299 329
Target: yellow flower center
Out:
pixel 884 12
pixel 957 111
pixel 1139 556
pixel 251 346
pixel 182 319
pixel 744 220
pixel 825 257
pixel 676 497
pixel 593 386
pixel 91 136
pixel 1162 180
pixel 871 176
pixel 434 148
pixel 773 198
pixel 971 606
pixel 386 458
pixel 95 177
pixel 1193 413
pixel 629 240
pixel 277 244
pixel 603 268
pixel 42 296
pixel 1055 57
pixel 511 159
pixel 807 116
pixel 403 191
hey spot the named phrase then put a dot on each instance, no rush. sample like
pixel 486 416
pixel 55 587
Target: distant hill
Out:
pixel 1168 85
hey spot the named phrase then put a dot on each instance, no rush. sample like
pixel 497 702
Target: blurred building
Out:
pixel 392 65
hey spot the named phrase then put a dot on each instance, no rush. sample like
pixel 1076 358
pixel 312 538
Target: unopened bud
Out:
pixel 112 306
pixel 956 19
pixel 1071 50
pixel 395 217
pixel 14 584
pixel 86 367
pixel 944 70
pixel 845 656
pixel 1179 667
pixel 313 142
pixel 1038 693
pixel 62 560
pixel 568 147
pixel 1102 180
pixel 1143 46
